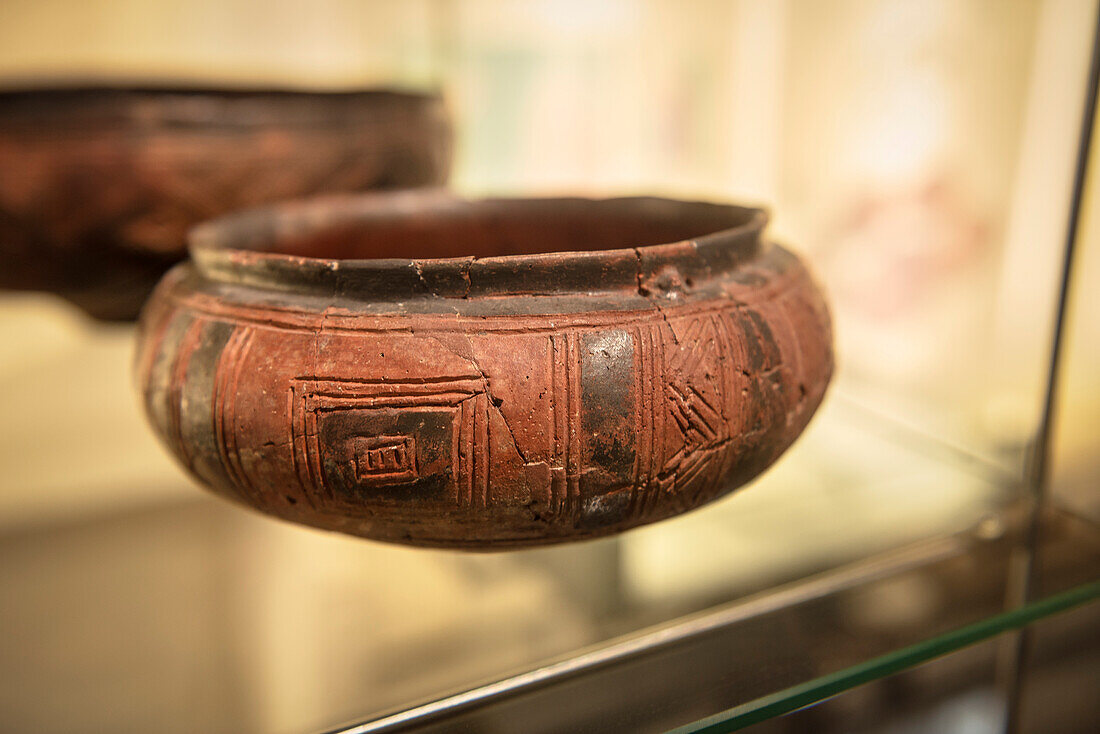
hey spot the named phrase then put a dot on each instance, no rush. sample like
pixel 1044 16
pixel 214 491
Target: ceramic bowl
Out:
pixel 98 187
pixel 489 374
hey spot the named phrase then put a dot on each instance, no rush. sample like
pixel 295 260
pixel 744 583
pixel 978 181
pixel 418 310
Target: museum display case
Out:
pixel 928 550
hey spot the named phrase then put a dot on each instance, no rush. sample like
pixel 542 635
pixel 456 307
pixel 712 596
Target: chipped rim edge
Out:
pixel 230 250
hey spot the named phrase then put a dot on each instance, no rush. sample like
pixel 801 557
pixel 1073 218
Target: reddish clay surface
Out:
pixel 570 377
pixel 98 187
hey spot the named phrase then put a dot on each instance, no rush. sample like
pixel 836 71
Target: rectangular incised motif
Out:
pixel 387 440
pixel 385 458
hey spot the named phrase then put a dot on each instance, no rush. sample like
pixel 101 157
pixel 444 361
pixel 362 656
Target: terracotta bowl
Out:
pixel 99 186
pixel 332 363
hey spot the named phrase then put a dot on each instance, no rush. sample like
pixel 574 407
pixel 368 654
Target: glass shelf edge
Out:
pixel 819 689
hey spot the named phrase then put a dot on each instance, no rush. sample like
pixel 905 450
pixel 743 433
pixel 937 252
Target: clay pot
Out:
pixel 99 186
pixel 570 377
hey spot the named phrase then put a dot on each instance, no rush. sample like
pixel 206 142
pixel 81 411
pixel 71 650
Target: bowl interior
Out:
pixel 432 227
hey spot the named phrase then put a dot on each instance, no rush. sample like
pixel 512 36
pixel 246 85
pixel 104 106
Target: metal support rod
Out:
pixel 1037 467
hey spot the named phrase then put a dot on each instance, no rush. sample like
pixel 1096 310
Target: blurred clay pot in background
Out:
pixel 99 186
pixel 541 371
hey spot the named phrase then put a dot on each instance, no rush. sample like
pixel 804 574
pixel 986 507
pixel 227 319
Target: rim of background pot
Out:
pixel 74 105
pixel 256 248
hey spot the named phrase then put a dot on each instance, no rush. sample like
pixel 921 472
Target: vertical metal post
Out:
pixel 1037 468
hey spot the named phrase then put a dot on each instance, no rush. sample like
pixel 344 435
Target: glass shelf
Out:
pixel 819 689
pixel 782 649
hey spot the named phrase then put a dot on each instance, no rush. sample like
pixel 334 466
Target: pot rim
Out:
pixel 231 249
pixel 66 105
pixel 61 90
